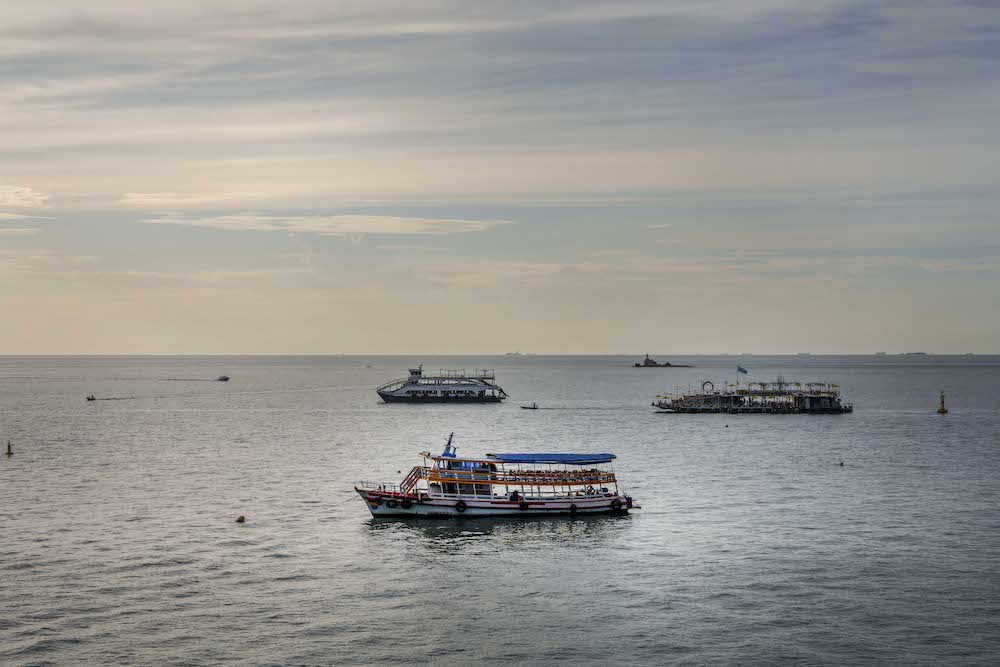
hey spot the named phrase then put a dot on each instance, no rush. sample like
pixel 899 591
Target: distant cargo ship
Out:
pixel 446 387
pixel 649 362
pixel 778 397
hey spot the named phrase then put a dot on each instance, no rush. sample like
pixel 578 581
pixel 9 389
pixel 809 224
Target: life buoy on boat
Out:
pixel 391 504
pixel 460 506
pixel 616 504
pixel 406 504
pixel 591 490
pixel 523 506
pixel 572 509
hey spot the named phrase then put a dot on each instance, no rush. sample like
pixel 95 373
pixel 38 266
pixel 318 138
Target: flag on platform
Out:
pixel 740 369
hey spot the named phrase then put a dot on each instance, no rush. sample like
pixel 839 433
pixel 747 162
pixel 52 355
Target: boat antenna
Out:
pixel 449 451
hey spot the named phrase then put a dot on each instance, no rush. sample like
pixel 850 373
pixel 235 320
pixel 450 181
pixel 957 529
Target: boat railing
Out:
pixel 393 385
pixel 530 496
pixel 515 478
pixel 379 486
pixel 410 482
pixel 461 374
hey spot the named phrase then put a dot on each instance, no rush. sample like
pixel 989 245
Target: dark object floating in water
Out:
pixel 91 398
pixel 10 452
pixel 223 378
pixel 942 410
pixel 241 519
pixel 649 362
pixel 533 406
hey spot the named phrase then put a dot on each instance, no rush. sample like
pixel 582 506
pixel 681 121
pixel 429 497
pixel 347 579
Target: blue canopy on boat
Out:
pixel 570 459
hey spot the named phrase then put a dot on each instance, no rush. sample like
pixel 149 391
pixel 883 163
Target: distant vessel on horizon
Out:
pixel 649 362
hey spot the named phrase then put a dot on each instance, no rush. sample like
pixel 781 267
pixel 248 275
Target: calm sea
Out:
pixel 118 541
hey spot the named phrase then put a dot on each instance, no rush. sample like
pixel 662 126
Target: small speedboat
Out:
pixel 91 398
pixel 223 378
pixel 533 406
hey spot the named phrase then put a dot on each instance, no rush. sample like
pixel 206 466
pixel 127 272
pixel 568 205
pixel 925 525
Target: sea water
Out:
pixel 119 542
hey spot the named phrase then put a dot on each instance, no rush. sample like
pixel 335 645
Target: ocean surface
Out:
pixel 118 540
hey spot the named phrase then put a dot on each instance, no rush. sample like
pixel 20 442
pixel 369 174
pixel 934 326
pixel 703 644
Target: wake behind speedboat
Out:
pixel 501 485
pixel 445 387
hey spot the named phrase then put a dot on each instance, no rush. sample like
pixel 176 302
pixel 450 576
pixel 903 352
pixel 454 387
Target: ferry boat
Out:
pixel 446 387
pixel 778 397
pixel 500 485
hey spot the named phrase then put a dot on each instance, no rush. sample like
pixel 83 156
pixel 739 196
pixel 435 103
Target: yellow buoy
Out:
pixel 942 410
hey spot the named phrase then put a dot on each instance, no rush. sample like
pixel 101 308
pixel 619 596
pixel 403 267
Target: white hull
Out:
pixel 385 505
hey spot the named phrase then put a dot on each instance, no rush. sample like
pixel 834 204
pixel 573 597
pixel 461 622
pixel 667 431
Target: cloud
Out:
pixel 21 197
pixel 22 216
pixel 331 225
pixel 18 231
pixel 183 199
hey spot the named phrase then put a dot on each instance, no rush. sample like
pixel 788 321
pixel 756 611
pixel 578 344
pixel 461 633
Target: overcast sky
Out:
pixel 457 177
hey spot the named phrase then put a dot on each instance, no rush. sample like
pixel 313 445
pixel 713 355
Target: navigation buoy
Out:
pixel 841 464
pixel 241 519
pixel 10 452
pixel 942 410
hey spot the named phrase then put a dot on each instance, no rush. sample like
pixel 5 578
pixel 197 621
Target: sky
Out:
pixel 455 177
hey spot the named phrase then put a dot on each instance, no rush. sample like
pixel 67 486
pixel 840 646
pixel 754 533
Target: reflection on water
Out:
pixel 527 533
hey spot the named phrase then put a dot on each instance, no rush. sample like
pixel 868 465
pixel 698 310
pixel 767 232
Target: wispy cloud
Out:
pixel 172 200
pixel 21 197
pixel 331 225
pixel 22 216
pixel 18 231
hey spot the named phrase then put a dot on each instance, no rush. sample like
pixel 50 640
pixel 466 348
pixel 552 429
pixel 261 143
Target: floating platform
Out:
pixel 777 397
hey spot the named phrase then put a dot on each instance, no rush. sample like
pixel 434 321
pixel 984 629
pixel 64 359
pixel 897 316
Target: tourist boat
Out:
pixel 448 485
pixel 445 387
pixel 778 397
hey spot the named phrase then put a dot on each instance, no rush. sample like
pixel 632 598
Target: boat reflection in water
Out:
pixel 527 533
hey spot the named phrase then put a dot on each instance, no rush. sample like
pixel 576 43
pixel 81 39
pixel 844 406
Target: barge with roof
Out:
pixel 446 387
pixel 447 485
pixel 777 397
